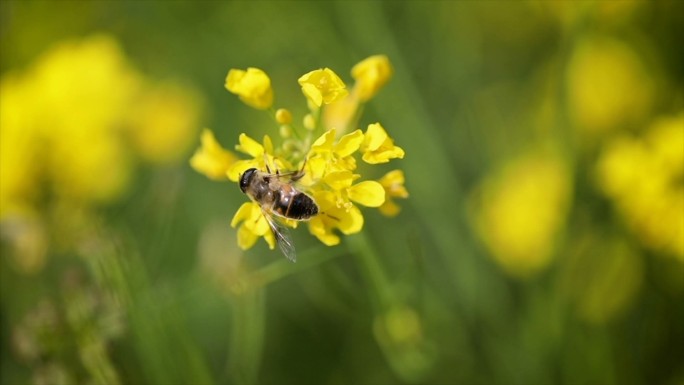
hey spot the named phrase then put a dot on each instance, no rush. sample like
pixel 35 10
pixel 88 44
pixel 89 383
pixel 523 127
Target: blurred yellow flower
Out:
pixel 66 125
pixel 19 154
pixel 322 86
pixel 163 122
pixel 211 159
pixel 371 74
pixel 393 183
pixel 608 85
pixel 520 210
pixel 643 176
pixel 253 87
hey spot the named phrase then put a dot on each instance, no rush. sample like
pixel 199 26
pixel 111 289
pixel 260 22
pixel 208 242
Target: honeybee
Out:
pixel 278 197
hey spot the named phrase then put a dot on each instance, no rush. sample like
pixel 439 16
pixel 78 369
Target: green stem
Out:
pixel 372 271
pixel 282 268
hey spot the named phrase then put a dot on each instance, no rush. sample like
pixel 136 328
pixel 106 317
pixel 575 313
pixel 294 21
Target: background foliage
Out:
pixel 543 241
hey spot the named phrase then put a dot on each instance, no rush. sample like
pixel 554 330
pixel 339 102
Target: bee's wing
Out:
pixel 282 237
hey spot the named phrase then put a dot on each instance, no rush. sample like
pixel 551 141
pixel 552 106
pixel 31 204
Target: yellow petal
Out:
pixel 322 86
pixel 252 86
pixel 351 222
pixel 211 159
pixel 375 137
pixel 326 200
pixel 389 208
pixel 349 143
pixel 316 166
pixel 245 238
pixel 250 146
pixel 384 154
pixel 270 239
pixel 393 183
pixel 261 226
pixel 371 74
pixel 268 144
pixel 368 193
pixel 338 180
pixel 243 213
pixel 313 94
pixel 238 168
pixel 324 142
pixel 318 228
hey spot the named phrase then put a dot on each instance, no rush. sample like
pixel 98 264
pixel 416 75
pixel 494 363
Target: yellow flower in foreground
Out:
pixel 328 163
pixel 252 86
pixel 378 147
pixel 393 183
pixel 322 86
pixel 521 209
pixel 347 220
pixel 211 159
pixel 262 157
pixel 371 74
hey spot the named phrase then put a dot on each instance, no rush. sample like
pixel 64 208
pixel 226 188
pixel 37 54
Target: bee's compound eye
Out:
pixel 246 178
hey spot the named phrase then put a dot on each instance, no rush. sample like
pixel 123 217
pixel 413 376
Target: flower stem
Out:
pixel 372 271
pixel 282 268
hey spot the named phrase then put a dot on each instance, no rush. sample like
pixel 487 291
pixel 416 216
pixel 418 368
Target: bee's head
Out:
pixel 246 178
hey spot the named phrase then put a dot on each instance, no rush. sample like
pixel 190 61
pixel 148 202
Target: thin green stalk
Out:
pixel 283 268
pixel 372 270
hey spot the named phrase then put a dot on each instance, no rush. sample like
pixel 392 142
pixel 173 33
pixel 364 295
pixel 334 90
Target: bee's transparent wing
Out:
pixel 282 237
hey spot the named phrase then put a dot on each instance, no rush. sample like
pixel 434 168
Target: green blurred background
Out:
pixel 543 240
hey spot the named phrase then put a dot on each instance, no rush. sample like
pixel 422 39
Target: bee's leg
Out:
pixel 300 173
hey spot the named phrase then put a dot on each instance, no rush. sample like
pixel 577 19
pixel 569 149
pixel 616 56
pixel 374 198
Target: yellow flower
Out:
pixel 211 159
pixel 253 225
pixel 328 162
pixel 347 220
pixel 262 157
pixel 67 123
pixel 371 74
pixel 252 86
pixel 520 209
pixel 331 180
pixel 378 147
pixel 368 193
pixel 322 86
pixel 327 156
pixel 163 122
pixel 641 175
pixel 393 183
pixel 608 86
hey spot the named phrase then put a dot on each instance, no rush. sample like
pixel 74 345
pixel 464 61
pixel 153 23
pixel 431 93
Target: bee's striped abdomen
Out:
pixel 301 207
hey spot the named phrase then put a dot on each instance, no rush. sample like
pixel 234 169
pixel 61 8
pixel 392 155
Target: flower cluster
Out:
pixel 643 177
pixel 75 126
pixel 326 147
